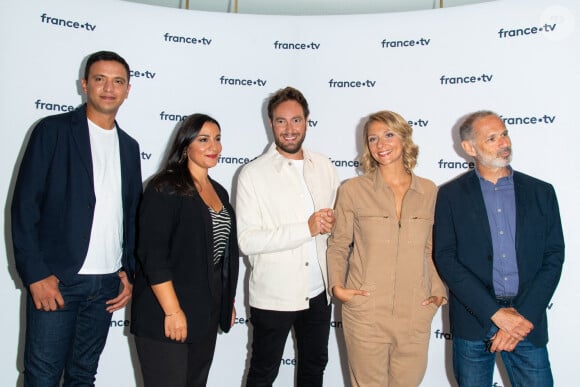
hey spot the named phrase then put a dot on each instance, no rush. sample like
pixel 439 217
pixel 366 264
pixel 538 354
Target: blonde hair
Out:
pixel 401 127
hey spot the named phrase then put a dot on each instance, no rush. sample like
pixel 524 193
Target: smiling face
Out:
pixel 106 87
pixel 289 127
pixel 203 152
pixel 385 146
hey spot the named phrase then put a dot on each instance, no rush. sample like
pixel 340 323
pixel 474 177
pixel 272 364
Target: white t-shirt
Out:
pixel 105 246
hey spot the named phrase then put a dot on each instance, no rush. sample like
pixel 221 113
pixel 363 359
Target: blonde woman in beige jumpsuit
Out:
pixel 379 259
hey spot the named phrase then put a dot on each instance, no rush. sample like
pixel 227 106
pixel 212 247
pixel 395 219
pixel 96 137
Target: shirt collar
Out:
pixel 509 178
pixel 279 161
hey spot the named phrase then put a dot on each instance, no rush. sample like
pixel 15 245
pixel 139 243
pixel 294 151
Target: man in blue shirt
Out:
pixel 498 245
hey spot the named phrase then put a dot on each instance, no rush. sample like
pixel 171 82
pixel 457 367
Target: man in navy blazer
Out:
pixel 498 244
pixel 73 228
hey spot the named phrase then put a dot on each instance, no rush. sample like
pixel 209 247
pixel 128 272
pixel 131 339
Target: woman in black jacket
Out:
pixel 187 267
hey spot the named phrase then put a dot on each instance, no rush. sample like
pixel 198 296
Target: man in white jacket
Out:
pixel 284 206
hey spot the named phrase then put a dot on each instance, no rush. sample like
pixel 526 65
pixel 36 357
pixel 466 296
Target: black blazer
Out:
pixel 463 253
pixel 175 243
pixel 54 198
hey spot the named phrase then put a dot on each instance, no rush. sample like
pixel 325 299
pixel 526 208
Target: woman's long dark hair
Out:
pixel 174 176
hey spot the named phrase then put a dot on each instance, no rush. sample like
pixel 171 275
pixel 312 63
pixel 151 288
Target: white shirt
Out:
pixel 273 227
pixel 105 246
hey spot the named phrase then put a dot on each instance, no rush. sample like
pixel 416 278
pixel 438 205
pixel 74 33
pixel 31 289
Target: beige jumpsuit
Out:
pixel 386 333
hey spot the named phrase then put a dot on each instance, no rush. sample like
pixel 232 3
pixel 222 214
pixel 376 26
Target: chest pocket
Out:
pixel 375 226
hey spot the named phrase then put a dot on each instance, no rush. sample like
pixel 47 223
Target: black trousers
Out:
pixel 174 364
pixel 271 329
pixel 166 364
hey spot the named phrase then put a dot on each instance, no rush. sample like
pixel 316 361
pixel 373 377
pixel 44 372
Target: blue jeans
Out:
pixel 527 365
pixel 69 339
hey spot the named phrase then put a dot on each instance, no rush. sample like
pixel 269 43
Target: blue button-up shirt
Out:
pixel 500 204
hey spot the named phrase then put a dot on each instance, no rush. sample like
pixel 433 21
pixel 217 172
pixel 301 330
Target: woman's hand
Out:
pixel 176 326
pixel 346 294
pixel 436 300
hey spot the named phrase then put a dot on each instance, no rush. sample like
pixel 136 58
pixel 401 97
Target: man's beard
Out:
pixel 497 161
pixel 291 149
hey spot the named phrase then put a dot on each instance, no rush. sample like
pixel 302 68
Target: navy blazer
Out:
pixel 54 199
pixel 175 244
pixel 463 253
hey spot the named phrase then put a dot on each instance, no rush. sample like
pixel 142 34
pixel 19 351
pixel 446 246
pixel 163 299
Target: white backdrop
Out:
pixel 519 58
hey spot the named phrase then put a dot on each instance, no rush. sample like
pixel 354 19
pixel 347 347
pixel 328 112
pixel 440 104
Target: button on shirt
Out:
pixel 500 205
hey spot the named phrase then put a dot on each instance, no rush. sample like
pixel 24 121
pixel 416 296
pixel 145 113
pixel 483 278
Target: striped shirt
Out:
pixel 222 225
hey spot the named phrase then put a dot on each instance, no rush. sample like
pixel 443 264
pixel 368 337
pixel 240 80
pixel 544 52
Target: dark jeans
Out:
pixel 271 328
pixel 69 339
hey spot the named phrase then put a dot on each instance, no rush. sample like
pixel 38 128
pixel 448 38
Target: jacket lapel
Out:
pixel 521 202
pixel 80 135
pixel 125 159
pixel 473 189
